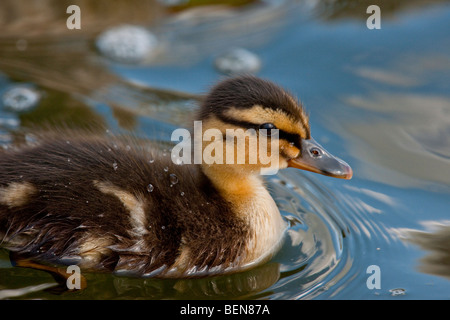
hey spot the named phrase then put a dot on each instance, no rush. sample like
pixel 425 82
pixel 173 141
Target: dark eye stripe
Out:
pixel 290 137
pixel 239 123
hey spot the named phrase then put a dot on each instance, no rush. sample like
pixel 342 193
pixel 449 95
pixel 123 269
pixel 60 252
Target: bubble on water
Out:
pixel 238 60
pixel 20 98
pixel 397 292
pixel 115 166
pixel 150 187
pixel 173 179
pixel 127 43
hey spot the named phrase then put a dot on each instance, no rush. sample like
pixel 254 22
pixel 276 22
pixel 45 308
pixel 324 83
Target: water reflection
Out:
pixel 239 285
pixel 403 136
pixel 435 240
pixel 345 9
pixel 55 58
pixel 408 136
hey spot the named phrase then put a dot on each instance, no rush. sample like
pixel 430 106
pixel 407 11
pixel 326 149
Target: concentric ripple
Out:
pixel 330 233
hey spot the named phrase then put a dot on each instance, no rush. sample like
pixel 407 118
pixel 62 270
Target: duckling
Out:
pixel 117 205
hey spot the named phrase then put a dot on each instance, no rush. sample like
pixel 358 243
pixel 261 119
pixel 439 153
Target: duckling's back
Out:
pixel 107 204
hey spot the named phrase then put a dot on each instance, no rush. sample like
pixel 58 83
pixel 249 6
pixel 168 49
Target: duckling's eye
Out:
pixel 315 152
pixel 268 127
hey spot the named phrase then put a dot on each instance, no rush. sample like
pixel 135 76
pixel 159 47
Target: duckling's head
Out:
pixel 246 108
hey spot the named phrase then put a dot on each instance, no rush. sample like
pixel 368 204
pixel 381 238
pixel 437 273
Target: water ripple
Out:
pixel 330 233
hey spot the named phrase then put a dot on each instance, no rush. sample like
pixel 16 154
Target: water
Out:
pixel 379 99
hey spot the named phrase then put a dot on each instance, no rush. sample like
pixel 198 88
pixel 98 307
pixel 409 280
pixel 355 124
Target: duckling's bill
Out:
pixel 315 158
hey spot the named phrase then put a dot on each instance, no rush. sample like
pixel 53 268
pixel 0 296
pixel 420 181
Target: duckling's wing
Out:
pixel 70 199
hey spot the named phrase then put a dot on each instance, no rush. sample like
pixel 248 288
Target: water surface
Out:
pixel 380 99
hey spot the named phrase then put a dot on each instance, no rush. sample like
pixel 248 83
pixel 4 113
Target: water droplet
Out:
pixel 238 60
pixel 178 161
pixel 182 193
pixel 151 160
pixel 115 166
pixel 173 179
pixel 21 98
pixel 128 148
pixel 166 169
pixel 397 292
pixel 68 159
pixel 150 187
pixel 163 227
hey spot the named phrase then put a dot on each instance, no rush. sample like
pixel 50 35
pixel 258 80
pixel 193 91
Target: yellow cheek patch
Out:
pixel 16 194
pixel 288 150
